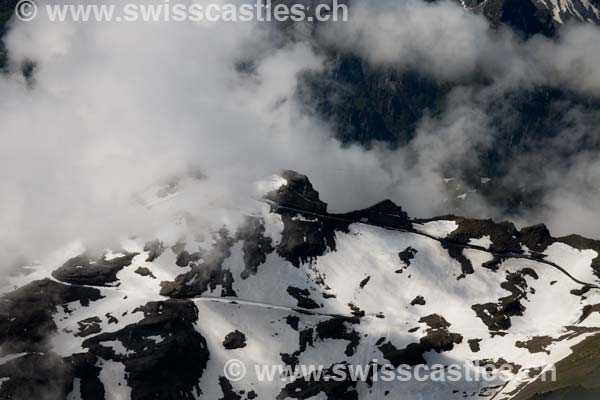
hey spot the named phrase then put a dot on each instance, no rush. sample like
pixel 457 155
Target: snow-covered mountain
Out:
pixel 534 16
pixel 296 285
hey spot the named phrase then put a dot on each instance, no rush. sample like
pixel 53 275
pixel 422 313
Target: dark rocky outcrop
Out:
pixel 330 385
pixel 154 248
pixel 456 252
pixel 227 389
pixel 168 369
pixel 474 345
pixel 48 376
pixel 438 338
pixel 418 301
pixel 386 214
pixel 504 235
pixel 525 16
pixel 256 246
pixel 143 271
pixel 340 328
pixel 309 230
pixel 305 339
pixel 497 315
pixel 292 321
pixel 36 376
pixel 297 193
pixel 234 340
pixel 89 326
pixel 364 282
pixel 302 296
pixel 26 313
pixel 305 239
pixel 407 255
pixel 86 270
pixel 184 258
pixel 507 241
pixel 206 274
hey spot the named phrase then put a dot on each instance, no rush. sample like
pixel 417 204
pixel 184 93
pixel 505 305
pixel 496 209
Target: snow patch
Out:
pixel 484 242
pixel 438 229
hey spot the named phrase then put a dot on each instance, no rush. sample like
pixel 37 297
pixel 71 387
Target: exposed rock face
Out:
pixel 164 355
pixel 340 328
pixel 305 238
pixel 309 230
pixel 528 17
pixel 507 241
pixel 297 193
pixel 306 388
pixel 438 339
pixel 497 316
pixel 536 16
pixel 154 249
pixel 256 246
pixel 26 313
pixel 456 253
pixel 418 301
pixel 305 235
pixel 234 340
pixel 407 255
pixel 503 235
pixel 37 376
pixel 83 270
pixel 89 326
pixel 303 297
pixel 385 214
pixel 205 275
pixel 143 271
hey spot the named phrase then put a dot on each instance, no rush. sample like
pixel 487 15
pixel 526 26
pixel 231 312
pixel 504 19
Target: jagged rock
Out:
pixel 84 270
pixel 36 376
pixel 297 193
pixel 184 258
pixel 143 271
pixel 89 326
pixel 302 296
pixel 309 231
pixel 537 238
pixel 438 339
pixel 474 345
pixel 154 249
pixel 385 214
pixel 340 328
pixel 227 389
pixel 256 246
pixel 407 255
pixel 418 301
pixel 333 389
pixel 497 315
pixel 169 368
pixel 207 274
pixel 456 252
pixel 234 340
pixel 26 313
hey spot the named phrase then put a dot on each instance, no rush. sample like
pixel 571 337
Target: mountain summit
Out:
pixel 296 285
pixel 536 16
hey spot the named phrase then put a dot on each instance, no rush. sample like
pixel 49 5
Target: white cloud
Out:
pixel 116 108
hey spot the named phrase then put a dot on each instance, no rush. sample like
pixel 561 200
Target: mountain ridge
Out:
pixel 295 284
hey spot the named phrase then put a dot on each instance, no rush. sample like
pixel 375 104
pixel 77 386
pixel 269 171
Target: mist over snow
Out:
pixel 115 109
